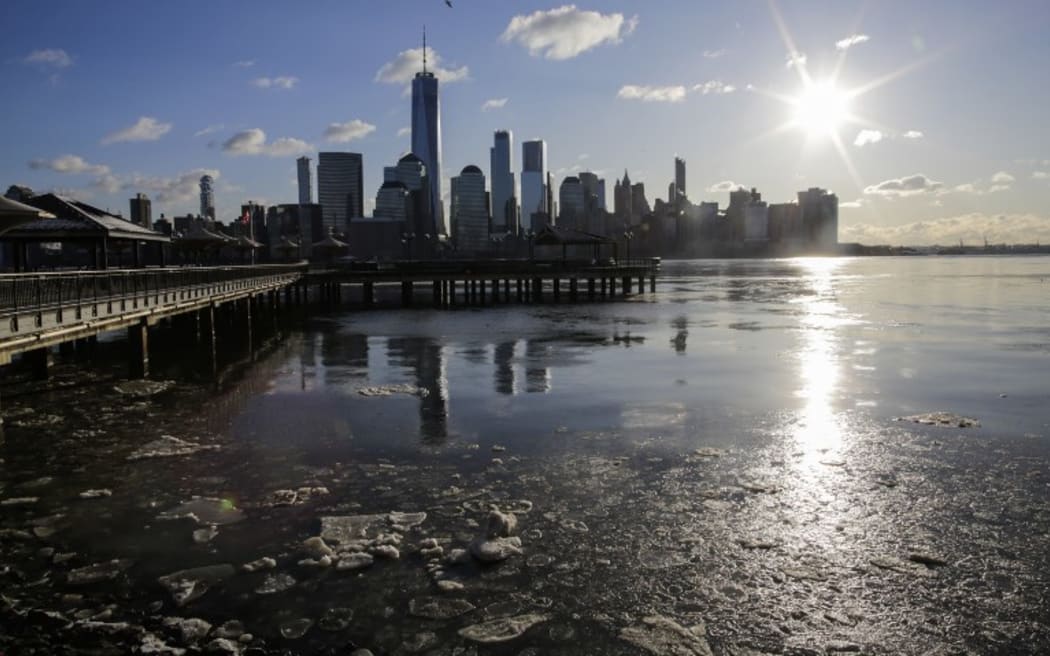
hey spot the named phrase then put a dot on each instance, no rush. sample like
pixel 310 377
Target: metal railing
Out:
pixel 501 267
pixel 29 292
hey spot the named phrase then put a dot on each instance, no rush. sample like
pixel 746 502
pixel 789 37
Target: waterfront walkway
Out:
pixel 42 310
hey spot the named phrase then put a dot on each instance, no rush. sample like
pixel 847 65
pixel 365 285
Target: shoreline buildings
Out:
pixel 504 191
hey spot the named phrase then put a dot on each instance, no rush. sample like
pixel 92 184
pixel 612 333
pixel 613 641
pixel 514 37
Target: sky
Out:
pixel 929 120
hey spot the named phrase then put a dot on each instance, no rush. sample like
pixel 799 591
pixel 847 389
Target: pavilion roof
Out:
pixel 74 219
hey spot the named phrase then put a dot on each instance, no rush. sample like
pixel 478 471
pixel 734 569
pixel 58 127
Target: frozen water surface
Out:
pixel 765 457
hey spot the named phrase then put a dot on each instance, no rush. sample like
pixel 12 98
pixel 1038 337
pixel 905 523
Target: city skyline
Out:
pixel 949 147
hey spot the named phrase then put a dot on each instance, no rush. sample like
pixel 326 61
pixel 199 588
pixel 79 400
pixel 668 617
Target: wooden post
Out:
pixel 556 283
pixel 604 285
pixel 521 292
pixel 590 288
pixel 138 349
pixel 626 285
pixel 573 289
pixel 39 361
pixel 506 290
pixel 652 283
pixel 436 286
pixel 207 316
pixel 537 290
pixel 406 292
pixel 481 292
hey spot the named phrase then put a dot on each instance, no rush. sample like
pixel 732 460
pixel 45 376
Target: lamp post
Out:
pixel 406 241
pixel 628 235
pixel 529 234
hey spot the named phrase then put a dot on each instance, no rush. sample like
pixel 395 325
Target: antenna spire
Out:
pixel 424 49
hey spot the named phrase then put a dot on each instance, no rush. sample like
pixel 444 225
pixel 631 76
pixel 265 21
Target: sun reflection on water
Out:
pixel 817 433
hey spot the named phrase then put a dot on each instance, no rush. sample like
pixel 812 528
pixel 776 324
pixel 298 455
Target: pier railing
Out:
pixel 37 292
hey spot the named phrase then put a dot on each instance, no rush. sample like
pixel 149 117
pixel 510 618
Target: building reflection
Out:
pixel 503 359
pixel 681 326
pixel 427 360
pixel 537 373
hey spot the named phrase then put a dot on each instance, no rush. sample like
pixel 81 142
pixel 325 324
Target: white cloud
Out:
pixel 208 130
pixel 724 186
pixel 280 82
pixel 180 188
pixel 1041 175
pixel 404 67
pixel 108 183
pixel 795 59
pixel 72 164
pixel 253 142
pixel 404 132
pixel 652 94
pixel 714 86
pixel 851 40
pixel 913 134
pixel 55 57
pixel 971 229
pixel 566 32
pixel 865 137
pixel 244 63
pixel 493 103
pixel 966 188
pixel 853 204
pixel 344 132
pixel 146 128
pixel 906 186
pixel 714 54
pixel 1002 177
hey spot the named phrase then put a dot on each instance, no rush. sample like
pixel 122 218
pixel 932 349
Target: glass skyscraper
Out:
pixel 504 195
pixel 426 139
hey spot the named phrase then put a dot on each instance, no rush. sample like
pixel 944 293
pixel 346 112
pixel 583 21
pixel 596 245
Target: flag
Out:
pixel 246 217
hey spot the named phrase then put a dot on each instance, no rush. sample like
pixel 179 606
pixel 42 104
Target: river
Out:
pixel 748 461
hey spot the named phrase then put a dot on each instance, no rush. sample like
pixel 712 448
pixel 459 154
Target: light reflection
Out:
pixel 818 432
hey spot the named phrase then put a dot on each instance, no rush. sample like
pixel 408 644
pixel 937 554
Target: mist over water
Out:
pixel 722 464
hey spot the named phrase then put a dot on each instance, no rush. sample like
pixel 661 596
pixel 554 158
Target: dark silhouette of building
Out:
pixel 141 211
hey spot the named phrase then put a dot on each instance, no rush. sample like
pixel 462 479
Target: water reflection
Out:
pixel 428 361
pixel 680 324
pixel 537 373
pixel 503 360
pixel 818 431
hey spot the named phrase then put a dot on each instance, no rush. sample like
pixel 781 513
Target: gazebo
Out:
pixel 198 240
pixel 245 245
pixel 565 237
pixel 329 247
pixel 286 247
pixel 74 222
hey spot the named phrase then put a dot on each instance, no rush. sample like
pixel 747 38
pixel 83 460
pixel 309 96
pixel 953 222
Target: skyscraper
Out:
pixel 572 204
pixel 340 189
pixel 306 194
pixel 533 182
pixel 469 209
pixel 679 178
pixel 141 211
pixel 504 195
pixel 207 197
pixel 426 137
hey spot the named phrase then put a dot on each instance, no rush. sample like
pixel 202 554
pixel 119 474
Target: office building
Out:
pixel 426 140
pixel 819 213
pixel 572 204
pixel 679 179
pixel 469 209
pixel 340 189
pixel 533 184
pixel 622 202
pixel 504 195
pixel 306 192
pixel 207 197
pixel 141 211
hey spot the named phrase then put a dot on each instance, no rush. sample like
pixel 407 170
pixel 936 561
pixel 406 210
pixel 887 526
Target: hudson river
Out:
pixel 764 457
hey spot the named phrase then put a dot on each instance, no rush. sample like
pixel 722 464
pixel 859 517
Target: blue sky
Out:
pixel 106 99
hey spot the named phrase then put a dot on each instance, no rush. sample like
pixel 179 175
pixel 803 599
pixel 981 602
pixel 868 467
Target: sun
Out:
pixel 821 109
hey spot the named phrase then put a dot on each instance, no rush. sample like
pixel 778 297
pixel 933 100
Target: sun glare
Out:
pixel 821 109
